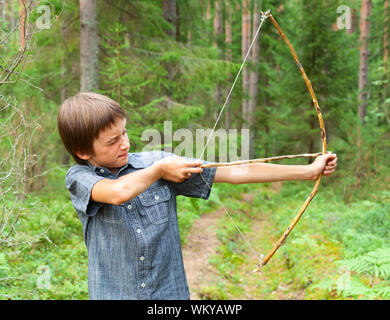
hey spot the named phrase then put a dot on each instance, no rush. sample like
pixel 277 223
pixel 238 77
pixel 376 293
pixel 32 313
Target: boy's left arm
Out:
pixel 265 172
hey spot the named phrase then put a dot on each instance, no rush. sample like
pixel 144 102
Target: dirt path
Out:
pixel 201 244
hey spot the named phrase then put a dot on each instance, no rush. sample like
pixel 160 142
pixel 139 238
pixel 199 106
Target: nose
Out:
pixel 125 144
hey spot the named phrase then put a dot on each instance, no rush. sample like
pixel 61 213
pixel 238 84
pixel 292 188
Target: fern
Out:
pixel 384 290
pixel 375 264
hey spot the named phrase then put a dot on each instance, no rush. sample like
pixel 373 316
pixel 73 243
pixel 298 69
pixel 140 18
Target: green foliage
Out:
pixel 190 209
pixel 212 293
pixel 51 261
pixel 375 263
pixel 328 59
pixel 156 78
pixel 302 256
pixel 364 227
pixel 364 277
pixel 4 266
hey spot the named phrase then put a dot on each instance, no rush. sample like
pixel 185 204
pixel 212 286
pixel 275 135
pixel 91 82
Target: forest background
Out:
pixel 175 60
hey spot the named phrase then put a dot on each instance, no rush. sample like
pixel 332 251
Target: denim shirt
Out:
pixel 134 249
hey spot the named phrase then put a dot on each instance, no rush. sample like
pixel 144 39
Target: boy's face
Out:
pixel 110 148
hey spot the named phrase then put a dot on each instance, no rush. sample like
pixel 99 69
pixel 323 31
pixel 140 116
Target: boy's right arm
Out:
pixel 129 186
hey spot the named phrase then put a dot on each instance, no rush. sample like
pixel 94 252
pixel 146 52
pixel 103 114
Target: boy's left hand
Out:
pixel 325 163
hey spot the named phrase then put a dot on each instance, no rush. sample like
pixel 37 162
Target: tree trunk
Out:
pixel 254 81
pixel 363 79
pixel 89 50
pixel 385 40
pixel 386 60
pixel 353 17
pixel 10 13
pixel 312 118
pixel 217 24
pixel 64 90
pixel 3 11
pixel 189 35
pixel 363 48
pixel 22 23
pixel 246 34
pixel 177 22
pixel 268 145
pixel 169 14
pixel 228 57
pixel 208 10
pixel 353 22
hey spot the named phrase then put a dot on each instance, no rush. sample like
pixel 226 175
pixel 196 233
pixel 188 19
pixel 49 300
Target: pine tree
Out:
pixel 327 58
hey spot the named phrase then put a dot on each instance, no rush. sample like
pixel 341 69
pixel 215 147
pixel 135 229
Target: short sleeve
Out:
pixel 199 185
pixel 79 180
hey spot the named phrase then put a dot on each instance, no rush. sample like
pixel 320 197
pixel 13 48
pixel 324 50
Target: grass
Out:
pixel 334 227
pixel 330 230
pixel 54 262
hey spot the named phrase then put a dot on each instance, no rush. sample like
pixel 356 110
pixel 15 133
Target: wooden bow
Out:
pixel 323 139
pixel 276 246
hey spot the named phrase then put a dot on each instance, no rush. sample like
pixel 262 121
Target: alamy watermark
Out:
pixel 192 144
pixel 44 17
pixel 44 277
pixel 45 12
pixel 344 21
pixel 343 282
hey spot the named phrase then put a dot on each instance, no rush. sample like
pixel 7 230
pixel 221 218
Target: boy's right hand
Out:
pixel 177 169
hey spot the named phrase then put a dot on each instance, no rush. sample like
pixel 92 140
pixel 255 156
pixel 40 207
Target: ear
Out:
pixel 83 156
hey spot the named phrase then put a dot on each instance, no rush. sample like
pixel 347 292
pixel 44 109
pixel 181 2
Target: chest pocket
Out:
pixel 155 203
pixel 111 214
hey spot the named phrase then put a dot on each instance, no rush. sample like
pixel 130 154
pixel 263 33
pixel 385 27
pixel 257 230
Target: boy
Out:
pixel 127 201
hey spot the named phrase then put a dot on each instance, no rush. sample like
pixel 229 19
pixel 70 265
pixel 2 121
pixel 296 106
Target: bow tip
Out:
pixel 258 268
pixel 266 13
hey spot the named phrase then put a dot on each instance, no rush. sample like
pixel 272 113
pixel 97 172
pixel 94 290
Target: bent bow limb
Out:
pixel 323 140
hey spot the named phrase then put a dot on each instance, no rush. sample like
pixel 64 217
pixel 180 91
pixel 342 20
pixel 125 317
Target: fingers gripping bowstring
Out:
pixel 264 16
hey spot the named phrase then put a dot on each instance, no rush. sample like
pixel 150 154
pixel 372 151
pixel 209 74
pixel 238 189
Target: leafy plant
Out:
pixel 366 276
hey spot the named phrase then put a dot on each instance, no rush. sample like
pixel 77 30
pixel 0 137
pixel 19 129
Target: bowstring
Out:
pixel 263 18
pixel 259 257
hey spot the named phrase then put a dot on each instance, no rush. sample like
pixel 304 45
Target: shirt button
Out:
pixel 143 285
pixel 129 207
pixel 102 170
pixel 139 230
pixel 156 197
pixel 142 258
